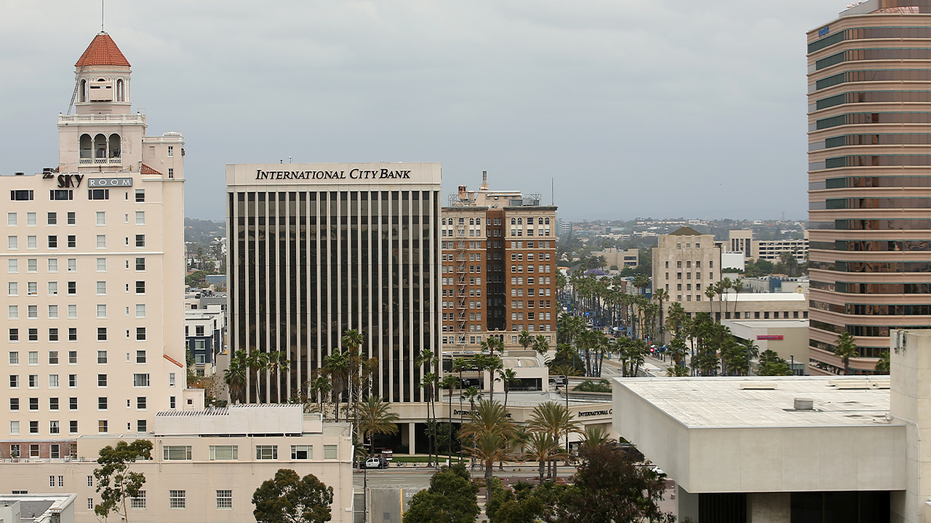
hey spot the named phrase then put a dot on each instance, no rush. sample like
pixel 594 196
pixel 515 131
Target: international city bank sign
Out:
pixel 352 174
pixel 335 174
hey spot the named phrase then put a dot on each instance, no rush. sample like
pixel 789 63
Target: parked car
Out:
pixel 376 463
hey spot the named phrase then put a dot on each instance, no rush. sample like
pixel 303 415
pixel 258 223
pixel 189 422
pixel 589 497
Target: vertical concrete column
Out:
pixel 686 504
pixel 769 507
pixel 411 438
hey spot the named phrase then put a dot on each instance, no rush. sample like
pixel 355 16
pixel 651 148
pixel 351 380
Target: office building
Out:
pixel 317 249
pixel 769 250
pixel 499 268
pixel 869 123
pixel 685 263
pixel 94 259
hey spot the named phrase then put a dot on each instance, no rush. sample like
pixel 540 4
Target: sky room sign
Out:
pixel 352 174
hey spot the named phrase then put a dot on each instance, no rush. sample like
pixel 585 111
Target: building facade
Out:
pixel 499 268
pixel 685 263
pixel 95 274
pixel 869 135
pixel 317 249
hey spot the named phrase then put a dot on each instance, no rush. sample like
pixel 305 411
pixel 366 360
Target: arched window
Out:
pixel 120 97
pixel 547 221
pixel 87 147
pixel 520 221
pixel 471 221
pixel 513 221
pixel 114 146
pixel 100 147
pixel 83 97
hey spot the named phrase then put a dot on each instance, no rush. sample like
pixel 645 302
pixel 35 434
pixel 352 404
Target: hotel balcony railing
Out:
pixel 101 161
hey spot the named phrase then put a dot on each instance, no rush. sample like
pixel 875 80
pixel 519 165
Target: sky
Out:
pixel 611 109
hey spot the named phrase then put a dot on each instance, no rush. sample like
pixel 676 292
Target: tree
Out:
pixel 882 366
pixel 490 432
pixel 451 498
pixel 541 345
pixel 336 366
pixel 772 365
pixel 235 375
pixel 845 348
pixel 115 481
pixel 661 296
pixel 553 419
pixel 542 447
pixel 609 486
pixel 525 339
pixel 375 417
pixel 289 498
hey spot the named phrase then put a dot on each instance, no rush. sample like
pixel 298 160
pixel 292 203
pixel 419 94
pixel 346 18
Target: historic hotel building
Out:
pixel 94 260
pixel 316 249
pixel 869 134
pixel 499 268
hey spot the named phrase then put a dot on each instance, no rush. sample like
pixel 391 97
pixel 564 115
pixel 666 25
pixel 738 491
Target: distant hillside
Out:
pixel 203 231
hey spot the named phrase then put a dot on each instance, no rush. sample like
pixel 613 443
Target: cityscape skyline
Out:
pixel 535 97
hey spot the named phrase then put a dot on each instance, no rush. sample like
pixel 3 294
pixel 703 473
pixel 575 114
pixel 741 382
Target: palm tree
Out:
pixel 508 378
pixel 738 286
pixel 258 362
pixel 661 295
pixel 594 436
pixel 491 433
pixel 542 447
pixel 541 345
pixel 336 366
pixel 882 366
pixel 352 340
pixel 553 419
pixel 845 348
pixel 525 339
pixel 235 375
pixel 492 365
pixel 375 417
pixel 321 386
pixel 451 382
pixel 277 362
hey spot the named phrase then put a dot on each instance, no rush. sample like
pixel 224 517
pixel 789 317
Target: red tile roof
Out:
pixel 102 51
pixel 148 170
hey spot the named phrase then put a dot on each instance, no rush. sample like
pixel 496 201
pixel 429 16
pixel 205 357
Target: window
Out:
pixel 72 287
pixel 72 312
pixel 14 356
pixel 72 380
pixel 12 288
pixel 224 452
pixel 140 217
pixel 101 310
pixel 302 452
pixel 11 219
pixel 141 425
pixel 140 264
pixel 140 240
pixel 140 336
pixel 21 196
pixel 329 452
pixel 138 501
pixel 14 429
pixel 101 356
pixel 176 499
pixel 171 151
pixel 140 287
pixel 266 452
pixel 72 265
pixel 171 380
pixel 33 357
pixel 34 384
pixel 52 242
pixel 101 334
pixel 71 217
pixel 72 404
pixel 101 265
pixel 176 452
pixel 14 404
pixel 72 331
pixel 101 241
pixel 140 356
pixel 60 194
pixel 140 195
pixel 101 380
pixel 101 403
pixel 32 311
pixel 53 427
pixel 12 266
pixel 98 194
pixel 72 241
pixel 14 381
pixel 224 499
pixel 72 357
pixel 53 354
pixel 53 288
pixel 141 380
pixel 73 427
pixel 140 310
pixel 53 402
pixel 34 429
pixel 34 449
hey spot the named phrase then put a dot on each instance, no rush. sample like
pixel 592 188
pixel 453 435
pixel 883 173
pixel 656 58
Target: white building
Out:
pixel 95 273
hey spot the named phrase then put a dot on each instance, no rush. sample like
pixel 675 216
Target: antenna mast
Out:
pixel 101 16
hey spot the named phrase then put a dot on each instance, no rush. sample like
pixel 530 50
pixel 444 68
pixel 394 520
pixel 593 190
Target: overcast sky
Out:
pixel 659 108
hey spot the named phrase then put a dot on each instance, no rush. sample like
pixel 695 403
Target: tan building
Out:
pixel 511 239
pixel 205 464
pixel 685 263
pixel 769 250
pixel 619 258
pixel 869 122
pixel 94 258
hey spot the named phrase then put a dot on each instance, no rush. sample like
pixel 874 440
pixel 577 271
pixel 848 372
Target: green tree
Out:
pixel 541 345
pixel 336 366
pixel 490 433
pixel 772 365
pixel 115 481
pixel 882 366
pixel 610 486
pixel 375 417
pixel 508 379
pixel 525 339
pixel 289 498
pixel 845 348
pixel 235 375
pixel 451 498
pixel 553 419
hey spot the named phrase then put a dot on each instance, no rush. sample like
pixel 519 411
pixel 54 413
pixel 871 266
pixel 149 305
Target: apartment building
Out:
pixel 869 136
pixel 499 267
pixel 685 263
pixel 95 273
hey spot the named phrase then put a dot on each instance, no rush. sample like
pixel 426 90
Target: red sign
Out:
pixel 769 336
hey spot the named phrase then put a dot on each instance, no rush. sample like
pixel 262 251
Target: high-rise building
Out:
pixel 685 264
pixel 499 268
pixel 94 259
pixel 318 249
pixel 869 133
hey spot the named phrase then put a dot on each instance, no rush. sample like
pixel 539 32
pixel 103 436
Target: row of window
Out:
pixel 874 75
pixel 878 139
pixel 529 231
pixel 53 333
pixel 460 245
pixel 887 53
pixel 541 268
pixel 688 264
pixel 873 118
pixel 461 269
pixel 854 182
pixel 874 97
pixel 231 452
pixel 869 33
pixel 53 358
pixel 12 243
pixel 139 380
pixel 873 288
pixel 53 406
pixel 883 225
pixel 32 288
pixel 473 256
pixel 519 327
pixel 34 452
pixel 869 309
pixel 32 265
pixel 176 499
pixel 103 427
pixel 876 160
pixel 68 194
pixel 873 245
pixel 462 281
pixel 862 330
pixel 12 218
pixel 868 266
pixel 32 311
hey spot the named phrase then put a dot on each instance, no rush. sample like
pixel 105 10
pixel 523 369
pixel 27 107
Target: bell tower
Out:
pixel 102 76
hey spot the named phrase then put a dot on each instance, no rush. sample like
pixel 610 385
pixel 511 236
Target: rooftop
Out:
pixel 102 51
pixel 740 401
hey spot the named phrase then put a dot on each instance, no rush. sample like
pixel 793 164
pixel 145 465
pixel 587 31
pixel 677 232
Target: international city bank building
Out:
pixel 316 249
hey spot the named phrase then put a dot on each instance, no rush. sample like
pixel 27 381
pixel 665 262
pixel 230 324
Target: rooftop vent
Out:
pixel 804 404
pixel 758 385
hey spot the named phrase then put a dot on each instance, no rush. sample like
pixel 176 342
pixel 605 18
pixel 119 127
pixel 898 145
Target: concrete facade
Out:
pixel 685 263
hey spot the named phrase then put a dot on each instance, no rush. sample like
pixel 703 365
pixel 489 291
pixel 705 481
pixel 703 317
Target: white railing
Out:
pixel 101 118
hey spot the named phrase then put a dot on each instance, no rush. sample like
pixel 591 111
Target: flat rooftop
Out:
pixel 741 401
pixel 769 324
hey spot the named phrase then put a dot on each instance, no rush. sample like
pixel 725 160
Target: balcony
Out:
pixel 118 119
pixel 101 161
